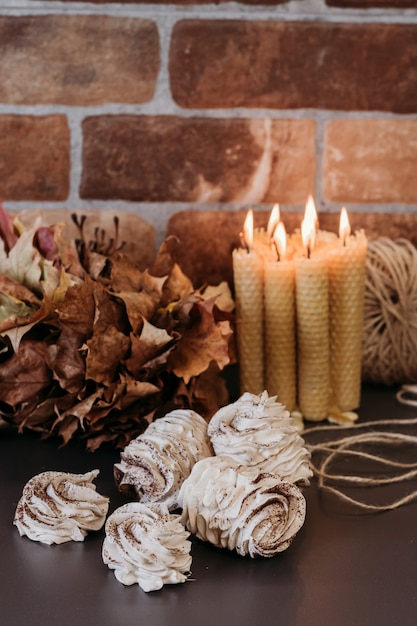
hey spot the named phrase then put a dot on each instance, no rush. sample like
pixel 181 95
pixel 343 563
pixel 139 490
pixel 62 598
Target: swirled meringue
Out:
pixel 146 544
pixel 257 430
pixel 154 465
pixel 241 509
pixel 56 507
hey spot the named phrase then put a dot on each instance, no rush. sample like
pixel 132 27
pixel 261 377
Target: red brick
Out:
pixel 168 158
pixel 371 161
pixel 181 2
pixel 286 65
pixel 79 60
pixel 34 157
pixel 367 4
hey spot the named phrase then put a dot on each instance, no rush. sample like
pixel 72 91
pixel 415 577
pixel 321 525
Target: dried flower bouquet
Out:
pixel 93 347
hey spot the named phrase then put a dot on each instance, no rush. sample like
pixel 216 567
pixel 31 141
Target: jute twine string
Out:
pixel 331 451
pixel 403 395
pixel 390 312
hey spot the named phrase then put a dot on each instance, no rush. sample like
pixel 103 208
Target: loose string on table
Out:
pixel 342 447
pixel 407 390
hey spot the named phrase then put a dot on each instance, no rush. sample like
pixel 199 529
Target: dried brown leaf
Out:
pixel 25 374
pixel 67 361
pixel 135 390
pixel 108 310
pixel 77 309
pixel 164 260
pixel 66 252
pixel 204 393
pixel 221 295
pixel 16 290
pixel 124 275
pixel 209 392
pixel 40 417
pixel 153 283
pixel 7 231
pixel 68 428
pixel 147 346
pixel 106 349
pixel 80 410
pixel 75 417
pixel 202 342
pixel 94 442
pixel 181 311
pixel 139 305
pixel 176 287
pixel 150 368
pixel 96 264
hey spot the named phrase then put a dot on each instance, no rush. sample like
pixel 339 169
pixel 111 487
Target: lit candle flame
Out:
pixel 344 226
pixel 273 220
pixel 308 225
pixel 247 235
pixel 280 240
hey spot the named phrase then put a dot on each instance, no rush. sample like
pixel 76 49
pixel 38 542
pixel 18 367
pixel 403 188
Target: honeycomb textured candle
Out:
pixel 346 264
pixel 312 305
pixel 248 281
pixel 280 368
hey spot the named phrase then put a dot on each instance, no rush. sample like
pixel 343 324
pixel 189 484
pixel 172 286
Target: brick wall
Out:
pixel 157 107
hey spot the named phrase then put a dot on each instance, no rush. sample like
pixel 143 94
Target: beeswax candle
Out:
pixel 346 263
pixel 248 277
pixel 312 314
pixel 280 341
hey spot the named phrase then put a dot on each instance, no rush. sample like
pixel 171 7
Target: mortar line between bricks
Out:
pixel 162 99
pixel 75 119
pixel 319 152
pixel 216 12
pixel 176 111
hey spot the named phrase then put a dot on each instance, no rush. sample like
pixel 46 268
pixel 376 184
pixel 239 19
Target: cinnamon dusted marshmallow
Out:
pixel 56 507
pixel 256 430
pixel 240 508
pixel 146 545
pixel 154 465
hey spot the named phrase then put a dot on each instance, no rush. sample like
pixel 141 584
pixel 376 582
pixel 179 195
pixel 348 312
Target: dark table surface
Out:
pixel 343 569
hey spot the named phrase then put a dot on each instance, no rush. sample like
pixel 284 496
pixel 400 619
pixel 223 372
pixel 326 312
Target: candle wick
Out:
pixel 308 252
pixel 243 242
pixel 277 250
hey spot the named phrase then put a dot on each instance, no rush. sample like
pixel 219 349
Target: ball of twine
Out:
pixel 390 312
